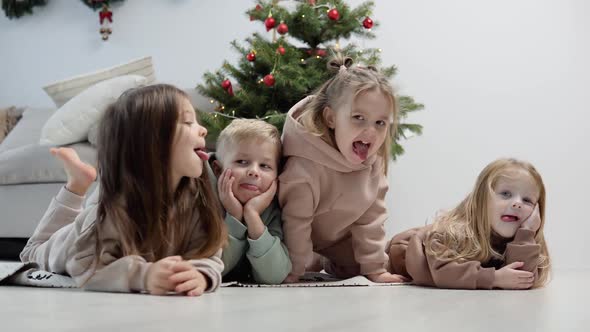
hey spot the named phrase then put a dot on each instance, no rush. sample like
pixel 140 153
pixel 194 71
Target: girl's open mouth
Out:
pixel 510 218
pixel 361 149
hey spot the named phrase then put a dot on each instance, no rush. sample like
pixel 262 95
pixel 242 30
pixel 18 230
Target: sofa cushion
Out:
pixel 62 91
pixel 72 122
pixel 27 129
pixel 33 163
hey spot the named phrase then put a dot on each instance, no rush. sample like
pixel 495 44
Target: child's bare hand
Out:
pixel 533 222
pixel 386 277
pixel 226 195
pixel 291 279
pixel 157 280
pixel 259 203
pixel 509 277
pixel 188 279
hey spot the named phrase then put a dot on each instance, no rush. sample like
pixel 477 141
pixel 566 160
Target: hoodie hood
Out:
pixel 299 142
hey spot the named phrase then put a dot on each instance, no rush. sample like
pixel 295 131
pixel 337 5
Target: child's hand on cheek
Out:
pixel 533 222
pixel 226 196
pixel 259 203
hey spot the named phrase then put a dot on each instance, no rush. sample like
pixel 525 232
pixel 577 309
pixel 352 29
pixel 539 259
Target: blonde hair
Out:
pixel 333 93
pixel 240 130
pixel 465 232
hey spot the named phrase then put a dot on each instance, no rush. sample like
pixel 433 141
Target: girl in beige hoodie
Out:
pixel 334 182
pixel 492 239
pixel 155 226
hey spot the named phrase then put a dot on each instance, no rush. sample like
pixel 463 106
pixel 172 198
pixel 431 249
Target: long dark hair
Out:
pixel 135 141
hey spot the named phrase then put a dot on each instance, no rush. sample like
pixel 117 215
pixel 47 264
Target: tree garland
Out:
pixel 19 8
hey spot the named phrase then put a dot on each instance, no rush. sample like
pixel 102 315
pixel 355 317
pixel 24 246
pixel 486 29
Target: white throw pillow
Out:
pixel 71 123
pixel 64 90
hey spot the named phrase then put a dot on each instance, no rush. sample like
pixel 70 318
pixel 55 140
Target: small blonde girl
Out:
pixel 334 182
pixel 155 225
pixel 492 239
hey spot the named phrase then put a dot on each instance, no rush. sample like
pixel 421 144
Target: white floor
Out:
pixel 561 306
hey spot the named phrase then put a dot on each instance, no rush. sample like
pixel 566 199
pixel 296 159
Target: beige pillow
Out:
pixel 72 122
pixel 62 91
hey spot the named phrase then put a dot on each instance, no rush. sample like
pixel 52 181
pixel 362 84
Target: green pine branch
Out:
pixel 300 70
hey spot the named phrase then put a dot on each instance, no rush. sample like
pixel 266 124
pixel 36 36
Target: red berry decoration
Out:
pixel 320 52
pixel 281 50
pixel 270 23
pixel 368 23
pixel 269 80
pixel 333 14
pixel 282 29
pixel 251 56
pixel 258 8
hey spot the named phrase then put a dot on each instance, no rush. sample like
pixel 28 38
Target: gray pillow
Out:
pixel 34 164
pixel 28 128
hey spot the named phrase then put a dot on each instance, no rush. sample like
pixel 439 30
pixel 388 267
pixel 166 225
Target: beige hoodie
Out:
pixel 408 257
pixel 329 205
pixel 65 242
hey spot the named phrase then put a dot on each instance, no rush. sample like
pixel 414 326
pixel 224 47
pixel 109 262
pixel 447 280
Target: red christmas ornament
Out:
pixel 320 52
pixel 251 56
pixel 333 14
pixel 368 23
pixel 258 8
pixel 226 85
pixel 105 17
pixel 105 14
pixel 269 23
pixel 269 80
pixel 282 29
pixel 281 50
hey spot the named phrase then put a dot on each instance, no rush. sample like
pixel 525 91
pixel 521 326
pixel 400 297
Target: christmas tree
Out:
pixel 278 69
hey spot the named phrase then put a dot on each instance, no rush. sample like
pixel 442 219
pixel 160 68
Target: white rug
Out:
pixel 319 279
pixel 27 274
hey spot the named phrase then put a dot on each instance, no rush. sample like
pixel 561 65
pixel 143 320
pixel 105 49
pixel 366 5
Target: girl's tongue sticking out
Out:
pixel 361 149
pixel 202 154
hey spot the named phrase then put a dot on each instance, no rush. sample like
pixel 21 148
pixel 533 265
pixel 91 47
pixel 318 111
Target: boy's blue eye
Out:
pixel 266 166
pixel 358 117
pixel 528 201
pixel 505 193
pixel 381 123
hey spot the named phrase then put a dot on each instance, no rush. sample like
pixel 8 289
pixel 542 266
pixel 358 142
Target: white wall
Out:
pixel 501 78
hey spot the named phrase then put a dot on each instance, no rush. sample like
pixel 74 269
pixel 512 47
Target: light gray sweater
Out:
pixel 65 243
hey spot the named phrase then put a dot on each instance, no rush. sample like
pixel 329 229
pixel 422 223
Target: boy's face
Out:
pixel 253 164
